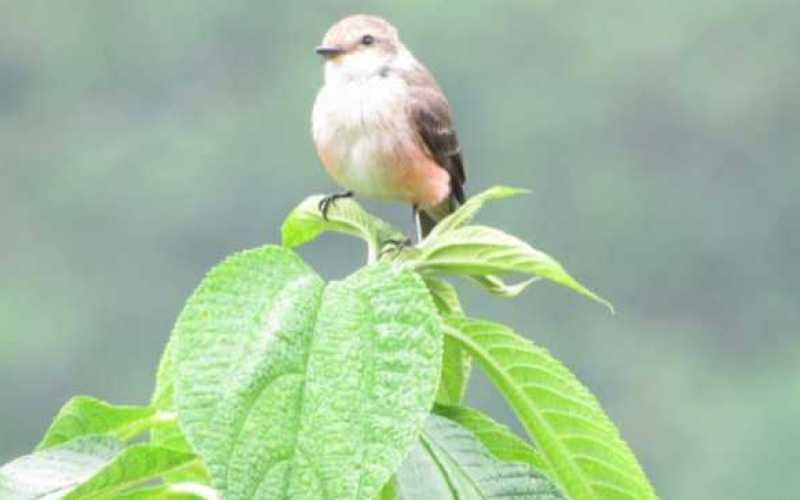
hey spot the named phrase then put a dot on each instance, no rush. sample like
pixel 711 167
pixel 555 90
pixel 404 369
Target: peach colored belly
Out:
pixel 385 166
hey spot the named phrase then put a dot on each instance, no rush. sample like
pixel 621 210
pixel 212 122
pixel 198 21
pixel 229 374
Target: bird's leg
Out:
pixel 417 222
pixel 327 202
pixel 397 245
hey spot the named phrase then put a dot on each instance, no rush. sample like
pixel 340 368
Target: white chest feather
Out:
pixel 359 127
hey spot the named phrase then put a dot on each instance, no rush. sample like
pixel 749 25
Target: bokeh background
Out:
pixel 141 142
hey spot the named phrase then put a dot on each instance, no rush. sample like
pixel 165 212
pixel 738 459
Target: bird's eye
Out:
pixel 367 39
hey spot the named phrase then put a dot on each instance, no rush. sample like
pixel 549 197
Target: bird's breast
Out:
pixel 363 136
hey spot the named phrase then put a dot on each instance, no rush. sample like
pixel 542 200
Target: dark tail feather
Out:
pixel 425 224
pixel 427 218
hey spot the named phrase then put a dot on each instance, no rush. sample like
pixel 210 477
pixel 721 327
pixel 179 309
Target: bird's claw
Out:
pixel 328 201
pixel 395 245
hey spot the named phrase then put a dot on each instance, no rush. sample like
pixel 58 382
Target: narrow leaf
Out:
pixel 456 369
pixel 83 415
pixel 495 285
pixel 389 490
pixel 54 471
pixel 471 207
pixel 480 250
pixel 134 465
pixel 291 390
pixel 176 491
pixel 305 223
pixel 444 296
pixel 421 476
pixel 456 362
pixel 451 463
pixel 583 449
pixel 501 441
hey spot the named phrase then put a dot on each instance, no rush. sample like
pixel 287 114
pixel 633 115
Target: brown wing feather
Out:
pixel 431 116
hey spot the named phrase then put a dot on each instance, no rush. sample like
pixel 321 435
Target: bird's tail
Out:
pixel 428 218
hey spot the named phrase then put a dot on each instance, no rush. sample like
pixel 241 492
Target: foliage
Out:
pixel 275 384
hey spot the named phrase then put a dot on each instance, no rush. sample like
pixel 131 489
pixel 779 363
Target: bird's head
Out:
pixel 359 47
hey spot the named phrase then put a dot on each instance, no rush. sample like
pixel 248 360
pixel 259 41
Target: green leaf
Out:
pixel 305 223
pixel 456 369
pixel 291 390
pixel 583 449
pixel 54 471
pixel 450 463
pixel 501 441
pixel 389 490
pixel 134 465
pixel 456 363
pixel 171 437
pixel 83 415
pixel 470 208
pixel 444 296
pixel 87 467
pixel 495 285
pixel 246 304
pixel 480 250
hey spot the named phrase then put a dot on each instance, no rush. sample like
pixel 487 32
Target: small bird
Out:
pixel 382 125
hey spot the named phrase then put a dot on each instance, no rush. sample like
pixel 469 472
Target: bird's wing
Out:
pixel 430 116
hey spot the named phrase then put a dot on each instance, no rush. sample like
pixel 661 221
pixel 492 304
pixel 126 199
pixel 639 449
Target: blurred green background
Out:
pixel 141 142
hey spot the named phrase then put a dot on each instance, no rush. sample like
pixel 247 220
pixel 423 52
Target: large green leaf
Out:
pixel 449 462
pixel 134 465
pixel 83 415
pixel 291 390
pixel 305 223
pixel 214 365
pixel 54 471
pixel 497 438
pixel 583 449
pixel 480 250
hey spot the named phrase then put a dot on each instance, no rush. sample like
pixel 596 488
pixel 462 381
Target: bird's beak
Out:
pixel 329 52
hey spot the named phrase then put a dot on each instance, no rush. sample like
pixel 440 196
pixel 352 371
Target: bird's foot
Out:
pixel 327 202
pixel 395 246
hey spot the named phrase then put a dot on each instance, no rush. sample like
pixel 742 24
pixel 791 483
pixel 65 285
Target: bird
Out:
pixel 382 126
